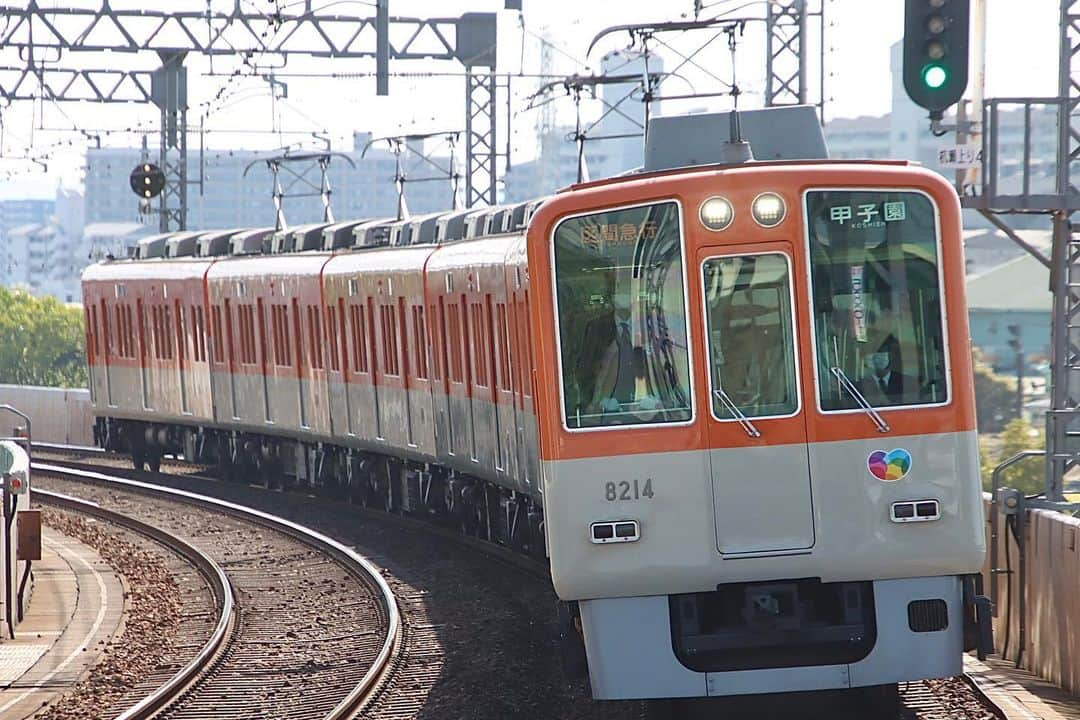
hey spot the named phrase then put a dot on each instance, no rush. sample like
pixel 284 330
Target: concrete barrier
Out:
pixel 59 415
pixel 1050 647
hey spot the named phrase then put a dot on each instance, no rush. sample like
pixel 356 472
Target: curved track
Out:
pixel 285 655
pixel 215 577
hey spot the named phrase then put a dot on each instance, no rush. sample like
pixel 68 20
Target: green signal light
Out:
pixel 934 76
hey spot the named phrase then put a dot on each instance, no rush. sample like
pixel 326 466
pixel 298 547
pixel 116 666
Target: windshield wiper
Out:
pixel 734 410
pixel 866 407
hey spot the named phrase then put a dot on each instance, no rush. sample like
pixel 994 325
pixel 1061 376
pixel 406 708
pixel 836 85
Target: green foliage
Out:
pixel 41 341
pixel 1029 474
pixel 995 400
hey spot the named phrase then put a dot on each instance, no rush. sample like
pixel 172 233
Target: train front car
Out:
pixel 759 466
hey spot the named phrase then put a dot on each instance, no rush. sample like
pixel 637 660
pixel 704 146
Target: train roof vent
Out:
pixel 281 241
pixel 215 243
pixel 453 226
pixel 182 244
pixel 151 247
pixel 372 234
pixel 248 242
pixel 423 230
pixel 308 237
pixel 517 217
pixel 776 133
pixel 339 235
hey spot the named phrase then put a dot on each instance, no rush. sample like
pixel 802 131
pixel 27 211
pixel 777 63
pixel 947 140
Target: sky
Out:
pixel 1021 59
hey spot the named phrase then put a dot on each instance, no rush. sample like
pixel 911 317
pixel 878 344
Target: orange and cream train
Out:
pixel 732 403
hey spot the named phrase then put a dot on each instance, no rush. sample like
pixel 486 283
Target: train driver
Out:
pixel 884 384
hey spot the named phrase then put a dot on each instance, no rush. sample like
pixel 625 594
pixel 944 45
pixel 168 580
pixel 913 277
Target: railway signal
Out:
pixel 147 180
pixel 936 52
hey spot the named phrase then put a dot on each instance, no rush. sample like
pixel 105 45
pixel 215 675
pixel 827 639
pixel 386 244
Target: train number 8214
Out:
pixel 627 490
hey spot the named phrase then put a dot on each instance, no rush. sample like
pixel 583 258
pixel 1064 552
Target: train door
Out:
pixel 759 461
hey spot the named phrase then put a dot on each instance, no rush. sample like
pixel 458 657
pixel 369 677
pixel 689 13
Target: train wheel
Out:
pixel 153 461
pixel 138 458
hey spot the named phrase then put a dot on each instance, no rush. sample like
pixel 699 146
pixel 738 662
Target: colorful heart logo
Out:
pixel 889 466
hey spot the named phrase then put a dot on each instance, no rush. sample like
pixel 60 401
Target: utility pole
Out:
pixel 1017 344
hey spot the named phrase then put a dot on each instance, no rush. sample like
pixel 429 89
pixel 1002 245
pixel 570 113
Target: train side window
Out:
pixel 621 314
pixel 359 338
pixel 876 298
pixel 388 328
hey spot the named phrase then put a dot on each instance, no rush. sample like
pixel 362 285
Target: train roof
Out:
pixel 277 265
pixel 165 269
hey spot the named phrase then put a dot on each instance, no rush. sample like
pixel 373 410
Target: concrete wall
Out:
pixel 1051 646
pixel 58 415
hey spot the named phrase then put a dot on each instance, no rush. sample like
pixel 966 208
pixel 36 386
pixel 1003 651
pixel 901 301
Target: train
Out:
pixel 728 396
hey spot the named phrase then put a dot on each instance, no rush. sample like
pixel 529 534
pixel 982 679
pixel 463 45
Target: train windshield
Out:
pixel 876 298
pixel 620 303
pixel 749 335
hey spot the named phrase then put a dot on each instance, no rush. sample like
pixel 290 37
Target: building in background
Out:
pixel 22 215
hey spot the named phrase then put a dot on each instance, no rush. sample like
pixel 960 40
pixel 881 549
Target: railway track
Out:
pixel 221 597
pixel 307 626
pixel 423 650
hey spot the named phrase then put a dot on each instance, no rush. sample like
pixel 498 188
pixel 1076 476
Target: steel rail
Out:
pixel 174 687
pixel 345 556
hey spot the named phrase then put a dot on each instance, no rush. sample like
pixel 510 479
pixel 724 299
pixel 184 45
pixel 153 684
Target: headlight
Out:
pixel 716 213
pixel 768 209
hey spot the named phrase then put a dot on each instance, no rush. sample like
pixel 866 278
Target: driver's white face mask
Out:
pixel 878 362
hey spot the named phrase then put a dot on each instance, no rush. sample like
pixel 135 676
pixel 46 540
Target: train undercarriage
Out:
pixel 475 506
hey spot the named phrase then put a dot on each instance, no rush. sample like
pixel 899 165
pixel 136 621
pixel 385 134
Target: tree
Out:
pixel 1028 475
pixel 995 399
pixel 42 342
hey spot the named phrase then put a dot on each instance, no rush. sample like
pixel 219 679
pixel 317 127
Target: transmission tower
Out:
pixel 46 38
pixel 996 198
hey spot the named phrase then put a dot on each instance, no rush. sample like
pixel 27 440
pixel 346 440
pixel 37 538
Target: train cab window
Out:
pixel 877 304
pixel 749 336
pixel 620 305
